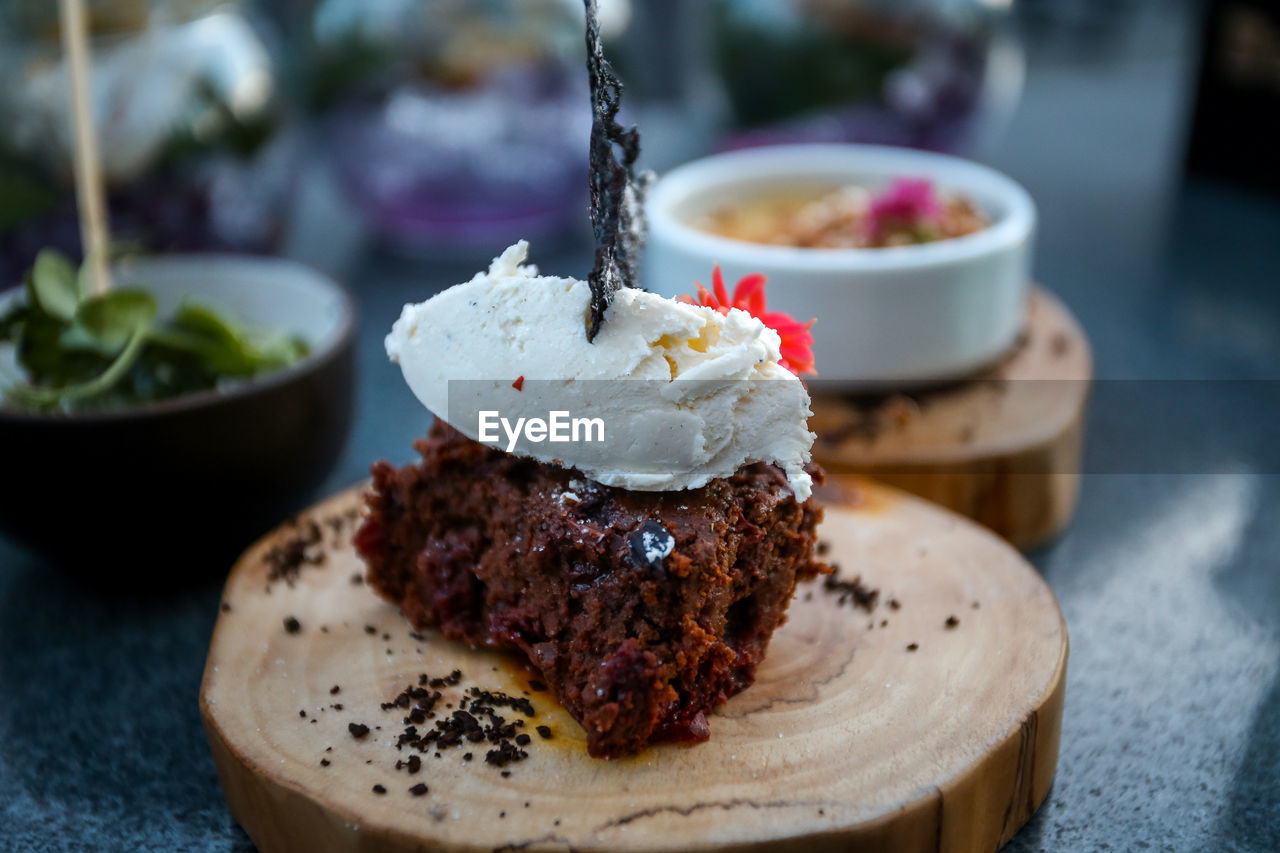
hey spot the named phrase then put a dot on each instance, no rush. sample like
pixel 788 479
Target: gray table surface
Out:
pixel 1169 575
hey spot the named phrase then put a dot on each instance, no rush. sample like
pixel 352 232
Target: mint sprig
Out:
pixel 93 352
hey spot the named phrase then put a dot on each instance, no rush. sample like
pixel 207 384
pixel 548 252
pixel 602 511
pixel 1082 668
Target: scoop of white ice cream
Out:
pixel 684 394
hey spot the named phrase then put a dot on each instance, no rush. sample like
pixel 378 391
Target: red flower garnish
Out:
pixel 748 294
pixel 906 203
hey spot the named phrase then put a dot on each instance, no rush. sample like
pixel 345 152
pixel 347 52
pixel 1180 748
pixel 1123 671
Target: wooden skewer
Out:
pixel 90 195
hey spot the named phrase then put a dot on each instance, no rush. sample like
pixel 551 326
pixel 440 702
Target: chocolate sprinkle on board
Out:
pixel 852 590
pixel 475 720
pixel 303 547
pixel 617 196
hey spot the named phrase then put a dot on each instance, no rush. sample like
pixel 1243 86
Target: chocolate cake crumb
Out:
pixel 358 730
pixel 302 547
pixel 226 608
pixel 335 690
pixel 466 756
pixel 853 591
pixel 894 604
pixel 292 625
pixel 378 789
pixel 370 630
pixel 544 731
pixel 537 686
pixel 884 623
pixel 337 706
pixel 506 774
pixel 523 740
pixel 951 623
pixel 418 790
pixel 975 605
pixel 911 647
pixel 414 764
pixel 505 754
pixel 357 579
pixel 328 749
pixel 822 548
pixel 303 713
pixel 324 762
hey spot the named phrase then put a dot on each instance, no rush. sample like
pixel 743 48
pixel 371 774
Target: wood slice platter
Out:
pixel 1002 447
pixel 885 730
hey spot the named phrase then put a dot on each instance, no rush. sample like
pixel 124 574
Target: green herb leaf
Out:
pixel 11 323
pixel 223 347
pixel 53 285
pixel 45 397
pixel 76 338
pixel 112 318
pixel 40 352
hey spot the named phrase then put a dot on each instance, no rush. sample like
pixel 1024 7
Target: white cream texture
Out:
pixel 715 398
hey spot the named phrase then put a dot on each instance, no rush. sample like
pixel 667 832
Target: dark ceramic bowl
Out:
pixel 176 488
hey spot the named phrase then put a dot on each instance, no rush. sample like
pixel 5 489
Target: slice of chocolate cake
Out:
pixel 642 610
pixel 642 562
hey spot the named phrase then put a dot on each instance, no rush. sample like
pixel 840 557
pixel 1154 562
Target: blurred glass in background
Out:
pixel 936 74
pixel 186 102
pixel 454 124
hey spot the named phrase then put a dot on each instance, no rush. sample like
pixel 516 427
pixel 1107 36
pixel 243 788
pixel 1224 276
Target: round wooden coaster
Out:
pixel 886 730
pixel 1002 448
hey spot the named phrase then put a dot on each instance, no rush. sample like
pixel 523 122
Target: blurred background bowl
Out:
pixel 904 314
pixel 177 487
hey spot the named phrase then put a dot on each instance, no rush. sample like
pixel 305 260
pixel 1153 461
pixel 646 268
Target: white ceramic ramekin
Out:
pixel 906 315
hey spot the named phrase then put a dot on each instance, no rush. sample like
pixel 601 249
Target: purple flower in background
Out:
pixel 906 203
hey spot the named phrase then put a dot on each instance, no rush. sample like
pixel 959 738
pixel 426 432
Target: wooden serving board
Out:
pixel 1002 447
pixel 848 740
